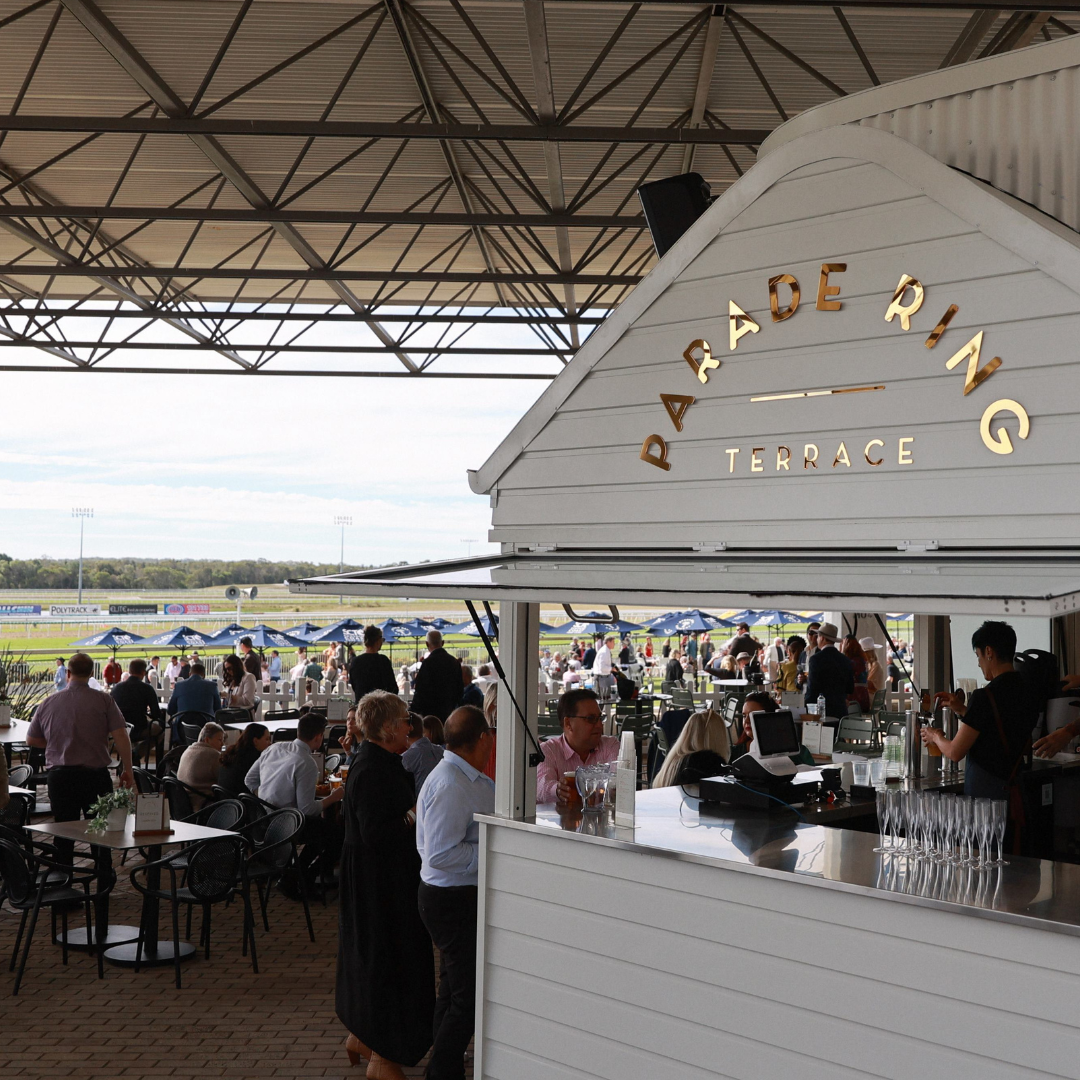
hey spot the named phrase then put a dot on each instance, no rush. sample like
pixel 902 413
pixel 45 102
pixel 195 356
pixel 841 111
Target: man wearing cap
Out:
pixel 829 673
pixel 602 676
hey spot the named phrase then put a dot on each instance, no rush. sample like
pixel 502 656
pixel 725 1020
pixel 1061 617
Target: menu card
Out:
pixel 817 737
pixel 152 813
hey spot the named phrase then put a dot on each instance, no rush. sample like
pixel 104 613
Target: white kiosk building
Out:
pixel 852 385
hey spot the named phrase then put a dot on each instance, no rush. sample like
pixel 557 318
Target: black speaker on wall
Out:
pixel 672 205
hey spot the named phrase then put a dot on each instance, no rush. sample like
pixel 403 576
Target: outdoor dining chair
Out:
pixel 205 875
pixel 19 775
pixel 30 881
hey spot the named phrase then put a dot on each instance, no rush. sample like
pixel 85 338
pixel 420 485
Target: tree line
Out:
pixel 154 574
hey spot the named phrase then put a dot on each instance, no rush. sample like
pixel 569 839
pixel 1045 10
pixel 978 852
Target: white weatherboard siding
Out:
pixel 570 473
pixel 606 962
pixel 1009 120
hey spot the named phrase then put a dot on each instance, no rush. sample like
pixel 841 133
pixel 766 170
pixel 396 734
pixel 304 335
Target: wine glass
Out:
pixel 585 778
pixel 907 816
pixel 984 827
pixel 884 812
pixel 999 811
pixel 919 822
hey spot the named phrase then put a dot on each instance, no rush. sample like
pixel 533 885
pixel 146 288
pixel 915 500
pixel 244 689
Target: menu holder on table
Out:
pixel 152 814
pixel 337 708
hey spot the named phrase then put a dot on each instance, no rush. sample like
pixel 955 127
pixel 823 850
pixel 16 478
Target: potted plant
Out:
pixel 110 812
pixel 21 688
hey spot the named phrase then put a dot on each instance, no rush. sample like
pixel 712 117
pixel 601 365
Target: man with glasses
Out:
pixel 582 742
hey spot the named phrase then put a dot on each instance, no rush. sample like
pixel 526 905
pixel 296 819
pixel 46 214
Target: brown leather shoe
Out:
pixel 356 1050
pixel 380 1068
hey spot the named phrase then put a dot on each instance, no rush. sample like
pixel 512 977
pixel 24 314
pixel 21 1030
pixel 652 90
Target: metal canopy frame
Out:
pixel 1005 583
pixel 381 181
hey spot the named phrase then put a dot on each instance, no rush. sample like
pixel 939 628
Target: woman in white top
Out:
pixel 240 688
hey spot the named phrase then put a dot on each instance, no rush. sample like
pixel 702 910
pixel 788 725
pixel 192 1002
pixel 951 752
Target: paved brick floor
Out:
pixel 225 1022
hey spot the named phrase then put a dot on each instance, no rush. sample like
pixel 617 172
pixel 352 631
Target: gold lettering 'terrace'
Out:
pixel 809 459
pixel 784 461
pixel 866 452
pixel 841 457
pixel 736 315
pixel 756 464
pixel 658 459
pixel 903 456
pixel 898 307
pixel 731 459
pixel 825 290
pixel 774 300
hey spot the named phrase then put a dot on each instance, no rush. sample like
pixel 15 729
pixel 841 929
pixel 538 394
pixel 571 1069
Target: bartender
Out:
pixel 996 722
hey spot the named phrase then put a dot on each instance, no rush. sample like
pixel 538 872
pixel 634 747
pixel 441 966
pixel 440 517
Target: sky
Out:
pixel 186 466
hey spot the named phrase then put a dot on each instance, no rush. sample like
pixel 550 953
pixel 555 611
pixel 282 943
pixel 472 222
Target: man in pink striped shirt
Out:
pixel 582 742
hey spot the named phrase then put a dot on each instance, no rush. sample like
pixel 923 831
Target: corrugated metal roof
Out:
pixel 179 39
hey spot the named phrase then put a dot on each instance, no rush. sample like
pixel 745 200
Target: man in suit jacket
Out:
pixel 193 694
pixel 829 672
pixel 438 682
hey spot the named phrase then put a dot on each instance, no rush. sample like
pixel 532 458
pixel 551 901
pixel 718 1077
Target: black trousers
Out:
pixel 450 917
pixel 322 838
pixel 73 789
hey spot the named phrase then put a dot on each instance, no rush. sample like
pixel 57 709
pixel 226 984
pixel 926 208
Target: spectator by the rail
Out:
pixel 370 670
pixel 472 694
pixel 138 701
pixel 438 682
pixel 60 674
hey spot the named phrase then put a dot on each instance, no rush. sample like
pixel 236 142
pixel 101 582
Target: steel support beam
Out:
pixel 458 131
pixel 431 107
pixel 263 273
pixel 129 58
pixel 536 29
pixel 287 372
pixel 13 311
pixel 319 217
pixel 969 39
pixel 20 341
pixel 704 80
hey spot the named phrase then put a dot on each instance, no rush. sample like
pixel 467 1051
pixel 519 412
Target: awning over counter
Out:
pixel 1042 583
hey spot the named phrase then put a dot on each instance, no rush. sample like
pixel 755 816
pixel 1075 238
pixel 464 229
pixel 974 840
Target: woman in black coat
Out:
pixel 239 758
pixel 386 966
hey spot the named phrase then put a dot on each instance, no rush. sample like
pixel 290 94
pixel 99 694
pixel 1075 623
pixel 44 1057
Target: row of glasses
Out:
pixel 596 785
pixel 941 826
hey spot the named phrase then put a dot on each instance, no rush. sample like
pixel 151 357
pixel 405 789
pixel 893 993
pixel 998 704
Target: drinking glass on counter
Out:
pixel 966 808
pixel 947 820
pixel 984 827
pixel 999 812
pixel 884 816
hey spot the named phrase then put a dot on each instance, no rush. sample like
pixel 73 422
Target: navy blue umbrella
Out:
pixel 303 630
pixel 266 637
pixel 777 618
pixel 180 637
pixel 468 627
pixel 594 623
pixel 687 622
pixel 229 635
pixel 345 631
pixel 114 639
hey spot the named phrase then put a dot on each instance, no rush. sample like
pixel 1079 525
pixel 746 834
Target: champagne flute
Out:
pixel 884 810
pixel 967 820
pixel 947 808
pixel 999 810
pixel 984 825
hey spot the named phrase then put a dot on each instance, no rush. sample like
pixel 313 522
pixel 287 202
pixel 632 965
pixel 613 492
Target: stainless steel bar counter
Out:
pixel 752 946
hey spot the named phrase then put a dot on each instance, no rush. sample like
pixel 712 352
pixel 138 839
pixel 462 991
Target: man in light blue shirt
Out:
pixel 275 666
pixel 448 839
pixel 287 774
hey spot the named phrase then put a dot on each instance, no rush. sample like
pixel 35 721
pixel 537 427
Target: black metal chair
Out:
pixel 193 720
pixel 272 841
pixel 179 796
pixel 146 783
pixel 333 739
pixel 332 762
pixel 208 872
pixel 255 809
pixel 32 881
pixel 190 732
pixel 223 814
pixel 19 775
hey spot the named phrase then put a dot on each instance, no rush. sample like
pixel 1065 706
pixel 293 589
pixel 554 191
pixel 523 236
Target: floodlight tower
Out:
pixel 82 513
pixel 342 520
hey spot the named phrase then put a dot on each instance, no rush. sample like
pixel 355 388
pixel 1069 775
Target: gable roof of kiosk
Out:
pixel 583 517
